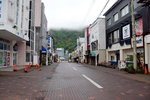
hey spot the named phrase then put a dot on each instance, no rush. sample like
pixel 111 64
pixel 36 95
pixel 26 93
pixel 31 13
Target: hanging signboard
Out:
pixel 139 41
pixel 8 59
pixel 139 27
pixel 126 31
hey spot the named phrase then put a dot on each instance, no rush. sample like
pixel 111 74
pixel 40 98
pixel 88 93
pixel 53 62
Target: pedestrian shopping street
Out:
pixel 73 81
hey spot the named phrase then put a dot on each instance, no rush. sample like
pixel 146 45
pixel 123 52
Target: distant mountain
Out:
pixel 66 39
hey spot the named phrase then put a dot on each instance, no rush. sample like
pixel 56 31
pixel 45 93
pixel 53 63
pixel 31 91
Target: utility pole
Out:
pixel 133 35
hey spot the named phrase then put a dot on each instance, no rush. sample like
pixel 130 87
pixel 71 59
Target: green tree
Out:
pixel 66 39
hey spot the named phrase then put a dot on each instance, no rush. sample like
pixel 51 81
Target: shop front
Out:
pixel 92 58
pixel 4 54
pixel 43 56
pixel 147 51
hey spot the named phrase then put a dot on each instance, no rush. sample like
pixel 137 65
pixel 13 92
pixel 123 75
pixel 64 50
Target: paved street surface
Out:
pixel 72 81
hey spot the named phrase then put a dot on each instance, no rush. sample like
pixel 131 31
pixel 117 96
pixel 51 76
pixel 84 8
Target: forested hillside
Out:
pixel 66 38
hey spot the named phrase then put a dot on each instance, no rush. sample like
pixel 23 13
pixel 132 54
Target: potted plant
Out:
pixel 129 59
pixel 130 69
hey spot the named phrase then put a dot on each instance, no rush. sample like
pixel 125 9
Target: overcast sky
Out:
pixel 73 14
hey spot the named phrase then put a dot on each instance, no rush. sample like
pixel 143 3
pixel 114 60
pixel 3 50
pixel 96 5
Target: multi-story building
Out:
pixel 50 49
pixel 146 6
pixel 14 21
pixel 37 44
pixel 119 32
pixel 87 45
pixel 30 44
pixel 82 55
pixel 37 31
pixel 60 52
pixel 97 41
pixel 80 41
pixel 43 37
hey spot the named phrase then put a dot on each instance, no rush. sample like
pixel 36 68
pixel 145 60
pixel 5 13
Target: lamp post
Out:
pixel 134 35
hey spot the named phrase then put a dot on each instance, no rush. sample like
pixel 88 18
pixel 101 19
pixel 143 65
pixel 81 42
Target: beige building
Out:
pixel 97 41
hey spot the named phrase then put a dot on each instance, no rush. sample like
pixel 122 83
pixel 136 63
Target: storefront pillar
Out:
pixel 121 55
pixel 95 60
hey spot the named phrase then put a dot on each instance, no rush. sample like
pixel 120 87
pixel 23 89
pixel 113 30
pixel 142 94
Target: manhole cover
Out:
pixel 48 77
pixel 39 98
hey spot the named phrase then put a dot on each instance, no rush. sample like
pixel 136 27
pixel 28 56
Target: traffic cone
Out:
pixel 145 70
pixel 26 69
pixel 37 66
pixel 15 68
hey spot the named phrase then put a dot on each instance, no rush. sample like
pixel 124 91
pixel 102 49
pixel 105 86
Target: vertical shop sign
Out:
pixel 139 27
pixel 8 59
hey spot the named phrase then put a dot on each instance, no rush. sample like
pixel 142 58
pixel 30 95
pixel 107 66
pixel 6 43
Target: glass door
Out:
pixel 14 58
pixel 1 58
pixel 5 59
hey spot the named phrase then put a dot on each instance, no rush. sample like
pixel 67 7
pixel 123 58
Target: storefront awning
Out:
pixel 44 50
pixel 92 54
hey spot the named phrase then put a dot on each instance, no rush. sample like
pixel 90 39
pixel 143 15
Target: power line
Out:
pixel 89 11
pixel 104 8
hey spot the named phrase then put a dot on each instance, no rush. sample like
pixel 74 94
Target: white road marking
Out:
pixel 74 68
pixel 94 83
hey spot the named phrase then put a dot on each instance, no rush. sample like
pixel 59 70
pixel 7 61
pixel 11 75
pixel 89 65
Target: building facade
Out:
pixel 50 49
pixel 13 31
pixel 97 41
pixel 61 53
pixel 79 52
pixel 119 33
pixel 30 44
pixel 43 37
pixel 146 5
pixel 87 45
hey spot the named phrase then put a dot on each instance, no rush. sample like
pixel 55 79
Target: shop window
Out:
pixel 124 10
pixel 1 46
pixel 5 59
pixel 110 41
pixel 94 45
pixel 116 36
pixel 112 58
pixel 8 48
pixel 115 17
pixel 27 57
pixel 5 47
pixel 109 22
pixel 14 58
pixel 1 58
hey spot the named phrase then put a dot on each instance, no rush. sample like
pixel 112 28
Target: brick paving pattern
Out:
pixel 60 81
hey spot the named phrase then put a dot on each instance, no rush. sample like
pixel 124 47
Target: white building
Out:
pixel 60 52
pixel 50 49
pixel 97 41
pixel 79 52
pixel 82 49
pixel 14 15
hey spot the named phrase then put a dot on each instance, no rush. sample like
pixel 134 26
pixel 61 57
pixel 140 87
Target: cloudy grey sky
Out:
pixel 73 14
